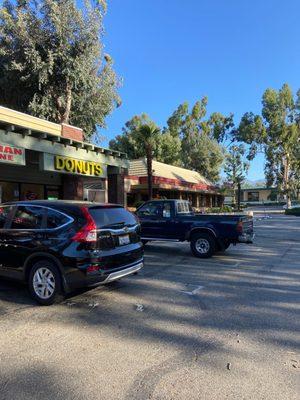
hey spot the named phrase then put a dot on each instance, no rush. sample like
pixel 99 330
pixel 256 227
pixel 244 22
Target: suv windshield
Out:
pixel 106 217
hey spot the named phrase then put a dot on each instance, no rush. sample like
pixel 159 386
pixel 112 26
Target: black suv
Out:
pixel 58 246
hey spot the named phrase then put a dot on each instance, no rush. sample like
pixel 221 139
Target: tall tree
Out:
pixel 167 147
pixel 200 151
pixel 188 139
pixel 236 167
pixel 52 63
pixel 141 137
pixel 148 135
pixel 277 133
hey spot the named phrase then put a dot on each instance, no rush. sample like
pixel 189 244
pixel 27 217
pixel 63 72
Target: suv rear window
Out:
pixel 28 217
pixel 106 217
pixel 56 219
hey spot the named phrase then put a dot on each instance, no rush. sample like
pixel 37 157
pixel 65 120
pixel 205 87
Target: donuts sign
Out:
pixel 11 154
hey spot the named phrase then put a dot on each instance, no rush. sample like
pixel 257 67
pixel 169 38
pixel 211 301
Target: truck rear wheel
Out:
pixel 203 245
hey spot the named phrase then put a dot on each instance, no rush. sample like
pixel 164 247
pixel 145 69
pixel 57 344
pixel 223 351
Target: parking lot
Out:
pixel 184 328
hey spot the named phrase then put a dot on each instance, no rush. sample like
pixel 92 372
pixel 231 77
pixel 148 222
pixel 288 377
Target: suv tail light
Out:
pixel 88 233
pixel 239 227
pixel 93 268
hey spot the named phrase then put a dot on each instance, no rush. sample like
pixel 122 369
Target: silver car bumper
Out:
pixel 125 272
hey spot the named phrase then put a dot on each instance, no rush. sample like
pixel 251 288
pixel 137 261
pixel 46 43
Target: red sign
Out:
pixel 12 155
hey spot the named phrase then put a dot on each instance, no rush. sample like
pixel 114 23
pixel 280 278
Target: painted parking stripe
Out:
pixel 193 292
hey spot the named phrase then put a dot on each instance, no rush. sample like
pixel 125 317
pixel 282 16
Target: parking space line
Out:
pixel 193 292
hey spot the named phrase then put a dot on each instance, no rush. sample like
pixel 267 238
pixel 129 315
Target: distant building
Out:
pixel 260 195
pixel 170 182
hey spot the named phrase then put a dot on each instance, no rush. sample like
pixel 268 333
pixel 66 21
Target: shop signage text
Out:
pixel 70 165
pixel 75 166
pixel 12 155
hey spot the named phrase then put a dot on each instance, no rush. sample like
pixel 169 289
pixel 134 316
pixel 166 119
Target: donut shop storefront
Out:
pixel 43 160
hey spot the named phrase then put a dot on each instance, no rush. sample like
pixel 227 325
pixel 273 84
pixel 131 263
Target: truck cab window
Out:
pixel 150 210
pixel 183 207
pixel 167 210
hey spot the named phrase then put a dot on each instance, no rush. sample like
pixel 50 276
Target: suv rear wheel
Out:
pixel 203 245
pixel 45 283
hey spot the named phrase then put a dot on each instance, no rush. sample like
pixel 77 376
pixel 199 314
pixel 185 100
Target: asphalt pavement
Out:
pixel 184 328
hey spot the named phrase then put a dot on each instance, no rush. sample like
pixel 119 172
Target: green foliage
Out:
pixel 273 195
pixel 52 63
pixel 236 167
pixel 221 126
pixel 276 132
pixel 130 141
pixel 293 211
pixel 188 140
pixel 148 136
pixel 203 154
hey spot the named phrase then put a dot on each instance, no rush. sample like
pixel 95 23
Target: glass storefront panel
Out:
pixel 32 191
pixel 53 193
pixel 9 191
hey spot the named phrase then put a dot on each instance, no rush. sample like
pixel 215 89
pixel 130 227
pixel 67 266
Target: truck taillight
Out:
pixel 239 227
pixel 88 233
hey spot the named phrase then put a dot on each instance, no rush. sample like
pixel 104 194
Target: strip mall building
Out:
pixel 43 160
pixel 170 182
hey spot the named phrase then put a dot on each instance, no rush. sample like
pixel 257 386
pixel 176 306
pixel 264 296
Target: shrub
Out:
pixel 293 211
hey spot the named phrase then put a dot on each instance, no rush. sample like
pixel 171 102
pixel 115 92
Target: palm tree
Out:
pixel 149 136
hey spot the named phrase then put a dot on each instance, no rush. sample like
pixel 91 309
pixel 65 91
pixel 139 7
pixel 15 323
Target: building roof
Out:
pixel 139 168
pixel 258 188
pixel 20 129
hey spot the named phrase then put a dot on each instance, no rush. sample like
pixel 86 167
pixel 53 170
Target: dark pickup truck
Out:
pixel 175 220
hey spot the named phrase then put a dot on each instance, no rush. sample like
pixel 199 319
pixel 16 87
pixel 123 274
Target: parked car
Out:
pixel 295 204
pixel 58 246
pixel 175 220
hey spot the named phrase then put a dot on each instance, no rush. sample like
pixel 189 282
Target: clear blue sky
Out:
pixel 170 51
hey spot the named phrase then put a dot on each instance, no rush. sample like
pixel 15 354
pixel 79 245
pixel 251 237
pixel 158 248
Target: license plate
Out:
pixel 124 240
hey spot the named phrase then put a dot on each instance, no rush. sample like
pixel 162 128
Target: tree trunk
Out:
pixel 65 110
pixel 239 197
pixel 149 172
pixel 286 187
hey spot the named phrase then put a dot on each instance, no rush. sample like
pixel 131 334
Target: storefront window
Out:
pixel 94 191
pixel 30 191
pixel 9 191
pixel 4 213
pixel 253 196
pixel 53 193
